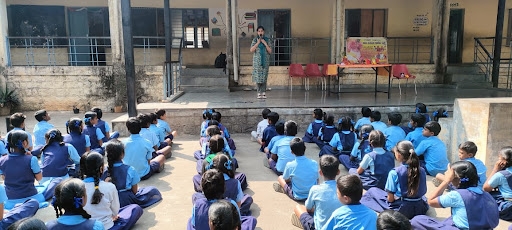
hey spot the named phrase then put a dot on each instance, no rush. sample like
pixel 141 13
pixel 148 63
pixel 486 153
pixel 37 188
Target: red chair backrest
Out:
pixel 398 69
pixel 312 70
pixel 296 70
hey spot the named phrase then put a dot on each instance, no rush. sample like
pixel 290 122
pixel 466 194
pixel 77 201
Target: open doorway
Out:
pixel 277 24
pixel 455 36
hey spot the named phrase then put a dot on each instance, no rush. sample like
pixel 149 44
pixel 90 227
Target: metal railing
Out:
pixel 484 57
pixel 410 50
pixel 172 71
pixel 150 45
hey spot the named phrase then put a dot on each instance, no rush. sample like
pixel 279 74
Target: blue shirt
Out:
pixel 34 165
pixel 205 148
pixel 20 129
pixel 324 199
pixel 303 173
pixel 393 134
pixel 454 200
pixel 416 136
pixel 361 122
pixel 283 152
pixel 132 178
pixel 356 152
pixel 204 126
pixel 392 184
pixel 274 140
pixel 499 180
pixel 379 125
pixel 78 219
pixel 336 140
pixel 193 219
pixel 40 130
pixel 480 169
pixel 310 127
pixel 240 193
pixel 137 152
pixel 367 161
pixel 3 194
pixel 164 126
pixel 72 153
pixel 321 133
pixel 150 136
pixel 434 150
pixel 356 216
pixel 3 148
pixel 158 132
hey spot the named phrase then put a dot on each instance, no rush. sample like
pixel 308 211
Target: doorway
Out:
pixel 277 24
pixel 455 36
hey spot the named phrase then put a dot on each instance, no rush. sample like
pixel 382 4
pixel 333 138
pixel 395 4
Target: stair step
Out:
pixel 464 69
pixel 205 80
pixel 474 85
pixel 461 77
pixel 203 88
pixel 203 72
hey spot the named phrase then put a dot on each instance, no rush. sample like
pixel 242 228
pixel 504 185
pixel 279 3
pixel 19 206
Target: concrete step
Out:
pixel 203 88
pixel 474 85
pixel 464 69
pixel 205 80
pixel 203 72
pixel 461 77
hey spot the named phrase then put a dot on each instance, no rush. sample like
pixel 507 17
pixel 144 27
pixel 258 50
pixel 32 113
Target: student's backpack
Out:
pixel 220 61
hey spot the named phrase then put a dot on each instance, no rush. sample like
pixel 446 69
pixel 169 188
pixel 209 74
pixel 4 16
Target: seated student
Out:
pixel 365 120
pixel 432 150
pixel 326 133
pixel 343 141
pixel 299 175
pixel 467 202
pixel 394 133
pixel 281 153
pixel 103 126
pixel 467 152
pixel 158 132
pixel 416 125
pixel 28 223
pixel 19 171
pixel 352 214
pixel 501 178
pixel 439 114
pixel 258 134
pixel 375 166
pixel 280 135
pixel 359 150
pixel 71 196
pixel 162 124
pixel 312 131
pixel 222 215
pixel 421 109
pixel 270 131
pixel 211 131
pixel 218 117
pixel 322 199
pixel 126 179
pixel 75 137
pixel 139 152
pixel 18 122
pixel 145 121
pixel 393 220
pixel 213 185
pixel 95 134
pixel 207 117
pixel 405 187
pixel 376 123
pixel 40 129
pixel 20 211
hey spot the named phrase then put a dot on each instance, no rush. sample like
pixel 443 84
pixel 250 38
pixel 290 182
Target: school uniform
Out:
pixel 379 125
pixel 472 208
pixel 416 136
pixel 159 134
pixel 324 200
pixel 95 136
pixel 362 121
pixel 105 128
pixel 204 126
pixel 150 136
pixel 284 154
pixel 410 206
pixel 259 129
pixel 39 131
pixel 272 143
pixel 312 131
pixel 205 150
pixel 109 206
pixel 503 181
pixel 230 141
pixel 79 140
pixel 353 216
pixel 30 144
pixel 55 160
pixel 359 150
pixel 20 211
pixel 393 134
pixel 268 134
pixel 325 134
pixel 481 170
pixel 3 148
pixel 303 173
pixel 75 222
pixel 434 151
pixel 377 165
pixel 137 152
pixel 343 142
pixel 199 219
pixel 126 177
pixel 163 125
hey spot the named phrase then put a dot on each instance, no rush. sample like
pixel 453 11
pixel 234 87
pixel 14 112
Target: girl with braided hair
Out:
pixel 223 215
pixel 75 137
pixel 71 196
pixel 125 178
pixel 95 134
pixel 103 203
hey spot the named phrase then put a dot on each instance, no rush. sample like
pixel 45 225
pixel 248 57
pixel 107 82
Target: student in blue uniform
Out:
pixel 312 131
pixel 365 120
pixel 207 117
pixel 416 125
pixel 103 126
pixel 359 150
pixel 223 215
pixel 18 122
pixel 326 133
pixel 421 109
pixel 211 131
pixel 71 196
pixel 471 207
pixel 405 187
pixel 20 211
pixel 19 171
pixel 501 178
pixel 95 134
pixel 343 141
pixel 162 124
pixel 80 141
pixel 376 123
pixel 217 116
pixel 40 129
pixel 394 133
pixel 56 157
pixel 375 166
pixel 280 135
pixel 393 220
pixel 281 152
pixel 432 150
pixel 270 131
pixel 158 131
pixel 126 179
pixel 28 223
pixel 145 121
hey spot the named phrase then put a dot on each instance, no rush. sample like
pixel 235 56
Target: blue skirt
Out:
pixel 20 211
pixel 376 199
pixel 424 222
pixel 345 161
pixel 128 216
pixel 369 181
pixel 145 197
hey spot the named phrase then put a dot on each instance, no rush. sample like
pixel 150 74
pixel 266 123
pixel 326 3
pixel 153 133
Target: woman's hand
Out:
pixel 263 41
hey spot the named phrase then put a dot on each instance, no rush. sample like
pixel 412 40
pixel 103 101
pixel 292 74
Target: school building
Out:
pixel 55 52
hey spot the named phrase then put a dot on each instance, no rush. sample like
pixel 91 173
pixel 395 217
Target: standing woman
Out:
pixel 261 47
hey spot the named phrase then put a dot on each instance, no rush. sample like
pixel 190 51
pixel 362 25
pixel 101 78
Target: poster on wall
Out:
pixel 245 21
pixel 366 50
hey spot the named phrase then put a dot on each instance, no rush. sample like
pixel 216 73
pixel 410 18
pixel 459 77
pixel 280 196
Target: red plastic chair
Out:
pixel 295 70
pixel 401 72
pixel 313 70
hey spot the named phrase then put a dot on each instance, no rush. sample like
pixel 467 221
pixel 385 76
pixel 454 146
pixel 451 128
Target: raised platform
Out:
pixel 241 111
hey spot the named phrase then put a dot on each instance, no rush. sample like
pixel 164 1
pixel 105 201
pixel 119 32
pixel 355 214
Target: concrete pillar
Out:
pixel 116 31
pixel 4 32
pixel 229 40
pixel 338 31
pixel 440 24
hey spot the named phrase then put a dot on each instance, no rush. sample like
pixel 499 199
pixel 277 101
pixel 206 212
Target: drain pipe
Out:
pixel 234 31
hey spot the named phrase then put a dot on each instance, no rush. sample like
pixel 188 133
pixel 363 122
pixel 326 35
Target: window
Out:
pixel 366 23
pixel 195 22
pixel 36 21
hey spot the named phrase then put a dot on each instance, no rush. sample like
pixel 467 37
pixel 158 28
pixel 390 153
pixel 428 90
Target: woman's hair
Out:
pixel 114 151
pixel 421 108
pixel 88 117
pixel 28 223
pixel 506 154
pixel 345 124
pixel 406 150
pixel 213 130
pixel 377 139
pixel 223 163
pixel 74 125
pixel 329 119
pixel 68 196
pixel 53 135
pixel 15 140
pixel 393 220
pixel 216 144
pixel 90 166
pixel 260 27
pixel 467 174
pixel 160 112
pixel 207 114
pixel 223 215
pixel 217 116
pixel 318 114
pixel 364 133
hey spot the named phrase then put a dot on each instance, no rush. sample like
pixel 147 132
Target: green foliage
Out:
pixel 8 98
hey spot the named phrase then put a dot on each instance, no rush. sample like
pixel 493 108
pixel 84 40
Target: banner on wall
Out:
pixel 362 49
